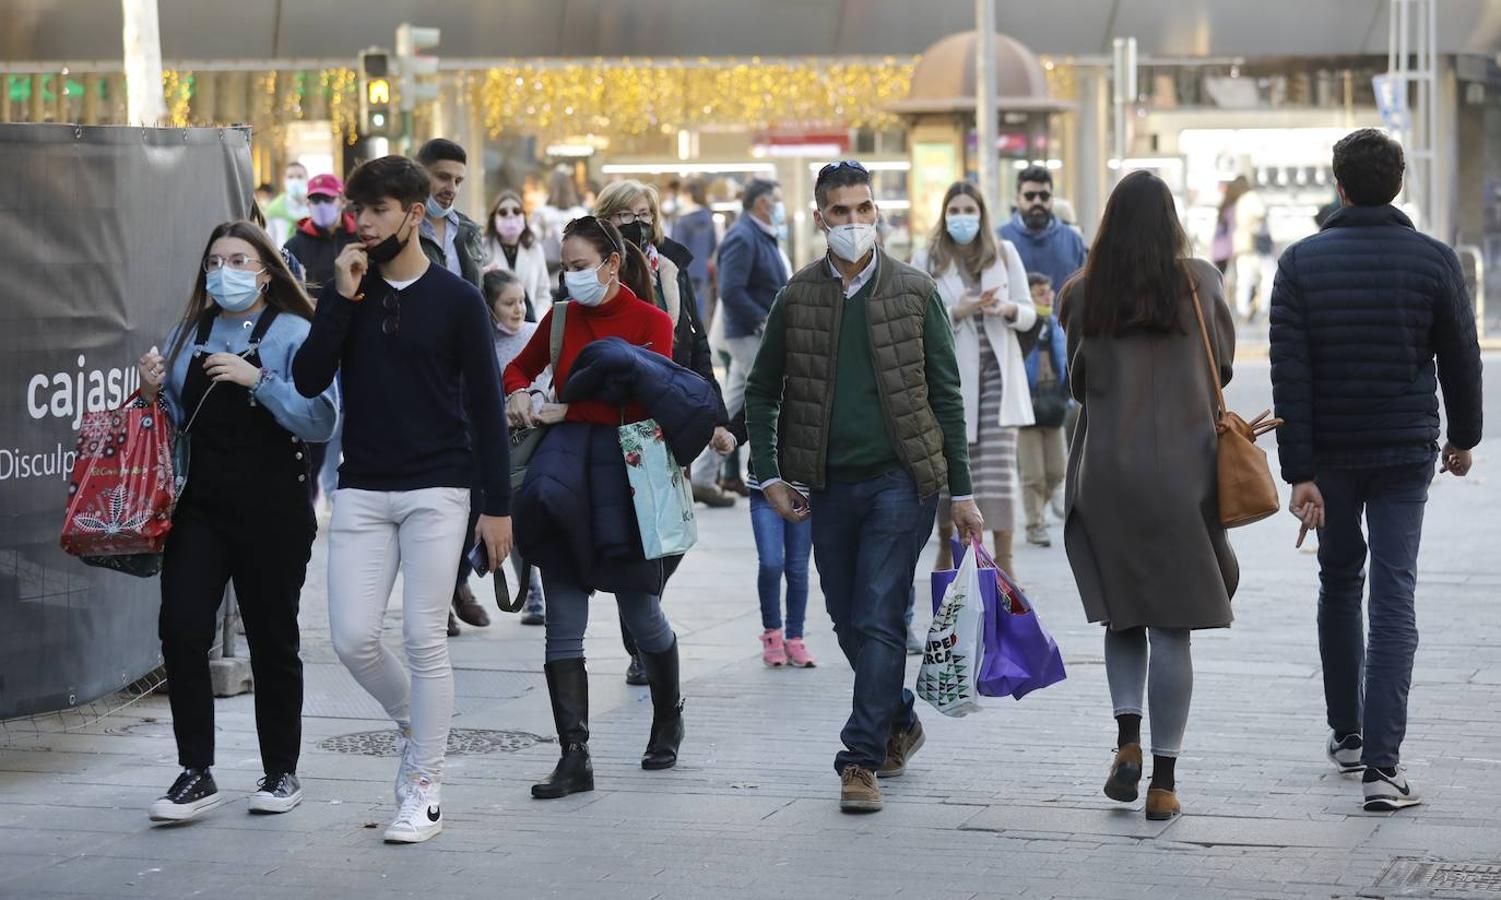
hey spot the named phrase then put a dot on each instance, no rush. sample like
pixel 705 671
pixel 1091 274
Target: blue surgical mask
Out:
pixel 964 228
pixel 233 290
pixel 437 210
pixel 779 213
pixel 584 286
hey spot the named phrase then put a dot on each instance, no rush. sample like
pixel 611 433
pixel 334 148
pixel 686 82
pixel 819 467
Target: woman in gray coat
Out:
pixel 1142 530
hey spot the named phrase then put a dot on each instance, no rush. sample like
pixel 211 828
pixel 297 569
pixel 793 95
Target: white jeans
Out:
pixel 742 352
pixel 372 534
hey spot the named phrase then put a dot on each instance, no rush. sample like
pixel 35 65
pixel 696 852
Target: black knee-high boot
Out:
pixel 666 708
pixel 568 687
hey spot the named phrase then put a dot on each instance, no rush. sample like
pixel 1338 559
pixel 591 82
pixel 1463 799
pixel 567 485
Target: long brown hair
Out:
pixel 283 292
pixel 605 238
pixel 976 256
pixel 1233 192
pixel 1135 276
pixel 526 239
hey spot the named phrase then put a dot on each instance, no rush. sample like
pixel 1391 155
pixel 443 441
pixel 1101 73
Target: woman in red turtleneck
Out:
pixel 605 277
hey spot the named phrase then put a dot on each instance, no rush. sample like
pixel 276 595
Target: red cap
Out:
pixel 328 185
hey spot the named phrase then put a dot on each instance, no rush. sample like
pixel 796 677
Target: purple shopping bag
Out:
pixel 1020 656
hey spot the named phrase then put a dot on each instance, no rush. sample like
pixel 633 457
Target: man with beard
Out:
pixel 1046 245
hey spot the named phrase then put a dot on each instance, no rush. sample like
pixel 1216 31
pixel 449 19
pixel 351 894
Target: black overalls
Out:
pixel 244 515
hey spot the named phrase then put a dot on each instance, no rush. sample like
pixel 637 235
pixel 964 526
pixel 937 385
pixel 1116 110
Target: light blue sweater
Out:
pixel 313 420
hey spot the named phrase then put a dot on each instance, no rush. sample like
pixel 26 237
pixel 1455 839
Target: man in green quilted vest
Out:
pixel 855 393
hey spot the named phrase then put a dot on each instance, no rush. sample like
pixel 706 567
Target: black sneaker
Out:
pixel 190 796
pixel 1344 753
pixel 276 794
pixel 1388 790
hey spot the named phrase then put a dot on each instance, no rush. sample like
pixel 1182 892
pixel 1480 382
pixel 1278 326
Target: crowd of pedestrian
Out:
pixel 469 384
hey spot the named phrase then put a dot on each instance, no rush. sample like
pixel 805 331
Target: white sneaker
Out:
pixel 1345 755
pixel 420 817
pixel 404 767
pixel 1387 793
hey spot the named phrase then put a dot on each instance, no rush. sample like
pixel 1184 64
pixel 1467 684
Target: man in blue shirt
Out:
pixel 1045 244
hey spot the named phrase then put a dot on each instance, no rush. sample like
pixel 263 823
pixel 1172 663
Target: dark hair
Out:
pixel 527 238
pixel 283 292
pixel 605 238
pixel 1036 174
pixel 440 149
pixel 265 187
pixel 698 191
pixel 497 280
pixel 394 177
pixel 979 254
pixel 562 189
pixel 1368 165
pixel 1134 275
pixel 1036 278
pixel 754 191
pixel 843 174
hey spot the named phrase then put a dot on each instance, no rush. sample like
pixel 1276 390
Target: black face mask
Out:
pixel 388 249
pixel 638 233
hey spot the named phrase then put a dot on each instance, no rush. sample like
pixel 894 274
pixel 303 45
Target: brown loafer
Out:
pixel 1162 805
pixel 468 608
pixel 1125 774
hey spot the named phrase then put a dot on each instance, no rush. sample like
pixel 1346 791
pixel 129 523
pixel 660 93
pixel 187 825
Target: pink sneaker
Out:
pixel 773 652
pixel 798 655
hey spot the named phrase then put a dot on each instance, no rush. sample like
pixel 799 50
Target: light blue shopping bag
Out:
pixel 660 493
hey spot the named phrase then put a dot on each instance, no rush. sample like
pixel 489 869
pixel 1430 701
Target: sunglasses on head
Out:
pixel 1044 196
pixel 833 167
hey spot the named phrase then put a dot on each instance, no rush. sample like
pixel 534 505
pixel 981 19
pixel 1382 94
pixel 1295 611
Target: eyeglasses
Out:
pixel 833 167
pixel 1044 196
pixel 241 262
pixel 391 324
pixel 626 217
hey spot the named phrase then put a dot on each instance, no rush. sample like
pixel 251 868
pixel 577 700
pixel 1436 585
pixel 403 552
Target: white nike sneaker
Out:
pixel 420 817
pixel 1345 755
pixel 404 766
pixel 1387 793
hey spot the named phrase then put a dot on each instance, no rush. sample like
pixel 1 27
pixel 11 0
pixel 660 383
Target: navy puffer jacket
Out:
pixel 574 514
pixel 1359 313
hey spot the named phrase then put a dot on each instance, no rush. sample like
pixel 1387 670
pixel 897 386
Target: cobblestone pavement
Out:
pixel 1002 804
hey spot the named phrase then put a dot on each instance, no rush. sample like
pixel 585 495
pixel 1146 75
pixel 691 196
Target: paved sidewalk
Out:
pixel 1002 804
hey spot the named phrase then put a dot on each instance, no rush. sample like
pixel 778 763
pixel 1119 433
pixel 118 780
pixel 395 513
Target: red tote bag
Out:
pixel 122 491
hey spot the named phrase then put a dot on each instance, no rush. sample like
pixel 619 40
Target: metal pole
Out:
pixel 143 63
pixel 1123 97
pixel 986 159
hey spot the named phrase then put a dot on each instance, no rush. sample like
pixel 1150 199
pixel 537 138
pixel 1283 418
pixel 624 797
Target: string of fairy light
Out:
pixel 556 99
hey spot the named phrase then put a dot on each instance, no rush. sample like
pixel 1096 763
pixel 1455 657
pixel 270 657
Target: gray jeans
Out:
pixel 1165 675
pixel 568 617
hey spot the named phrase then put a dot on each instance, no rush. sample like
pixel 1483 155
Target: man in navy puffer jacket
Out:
pixel 1359 313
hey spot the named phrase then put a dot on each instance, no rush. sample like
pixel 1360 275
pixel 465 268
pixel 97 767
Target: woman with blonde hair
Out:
pixel 984 285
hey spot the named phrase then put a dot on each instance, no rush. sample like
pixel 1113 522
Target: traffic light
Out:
pixel 410 41
pixel 376 109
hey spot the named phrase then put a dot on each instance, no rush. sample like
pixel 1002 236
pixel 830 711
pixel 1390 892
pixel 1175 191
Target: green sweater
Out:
pixel 860 444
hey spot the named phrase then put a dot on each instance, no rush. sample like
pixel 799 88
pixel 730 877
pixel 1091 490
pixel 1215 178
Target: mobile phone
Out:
pixel 479 558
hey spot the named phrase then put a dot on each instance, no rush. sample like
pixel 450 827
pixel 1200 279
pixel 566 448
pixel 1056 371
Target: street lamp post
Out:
pixel 985 104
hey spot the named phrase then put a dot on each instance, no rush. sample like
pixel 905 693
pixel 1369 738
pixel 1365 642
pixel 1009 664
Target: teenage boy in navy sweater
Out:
pixel 407 335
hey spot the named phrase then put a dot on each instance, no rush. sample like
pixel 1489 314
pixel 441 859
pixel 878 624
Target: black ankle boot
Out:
pixel 666 709
pixel 568 687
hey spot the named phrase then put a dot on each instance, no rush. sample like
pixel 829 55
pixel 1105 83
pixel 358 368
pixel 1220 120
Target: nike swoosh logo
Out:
pixel 433 814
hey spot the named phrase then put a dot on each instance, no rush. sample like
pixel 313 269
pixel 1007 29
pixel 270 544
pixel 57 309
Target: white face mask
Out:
pixel 584 286
pixel 296 188
pixel 851 242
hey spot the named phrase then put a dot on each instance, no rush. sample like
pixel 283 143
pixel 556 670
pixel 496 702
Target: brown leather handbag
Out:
pixel 1247 492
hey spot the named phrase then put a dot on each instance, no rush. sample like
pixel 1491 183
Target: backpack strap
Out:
pixel 555 335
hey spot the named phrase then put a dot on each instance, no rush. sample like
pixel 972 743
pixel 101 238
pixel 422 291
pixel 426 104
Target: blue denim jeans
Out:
pixel 1366 685
pixel 782 549
pixel 867 536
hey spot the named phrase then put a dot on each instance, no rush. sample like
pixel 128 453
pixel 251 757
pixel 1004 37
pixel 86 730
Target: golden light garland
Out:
pixel 342 86
pixel 551 101
pixel 177 91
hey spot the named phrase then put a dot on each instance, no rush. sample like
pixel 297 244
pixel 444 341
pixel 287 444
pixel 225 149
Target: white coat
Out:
pixel 1009 278
pixel 531 268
